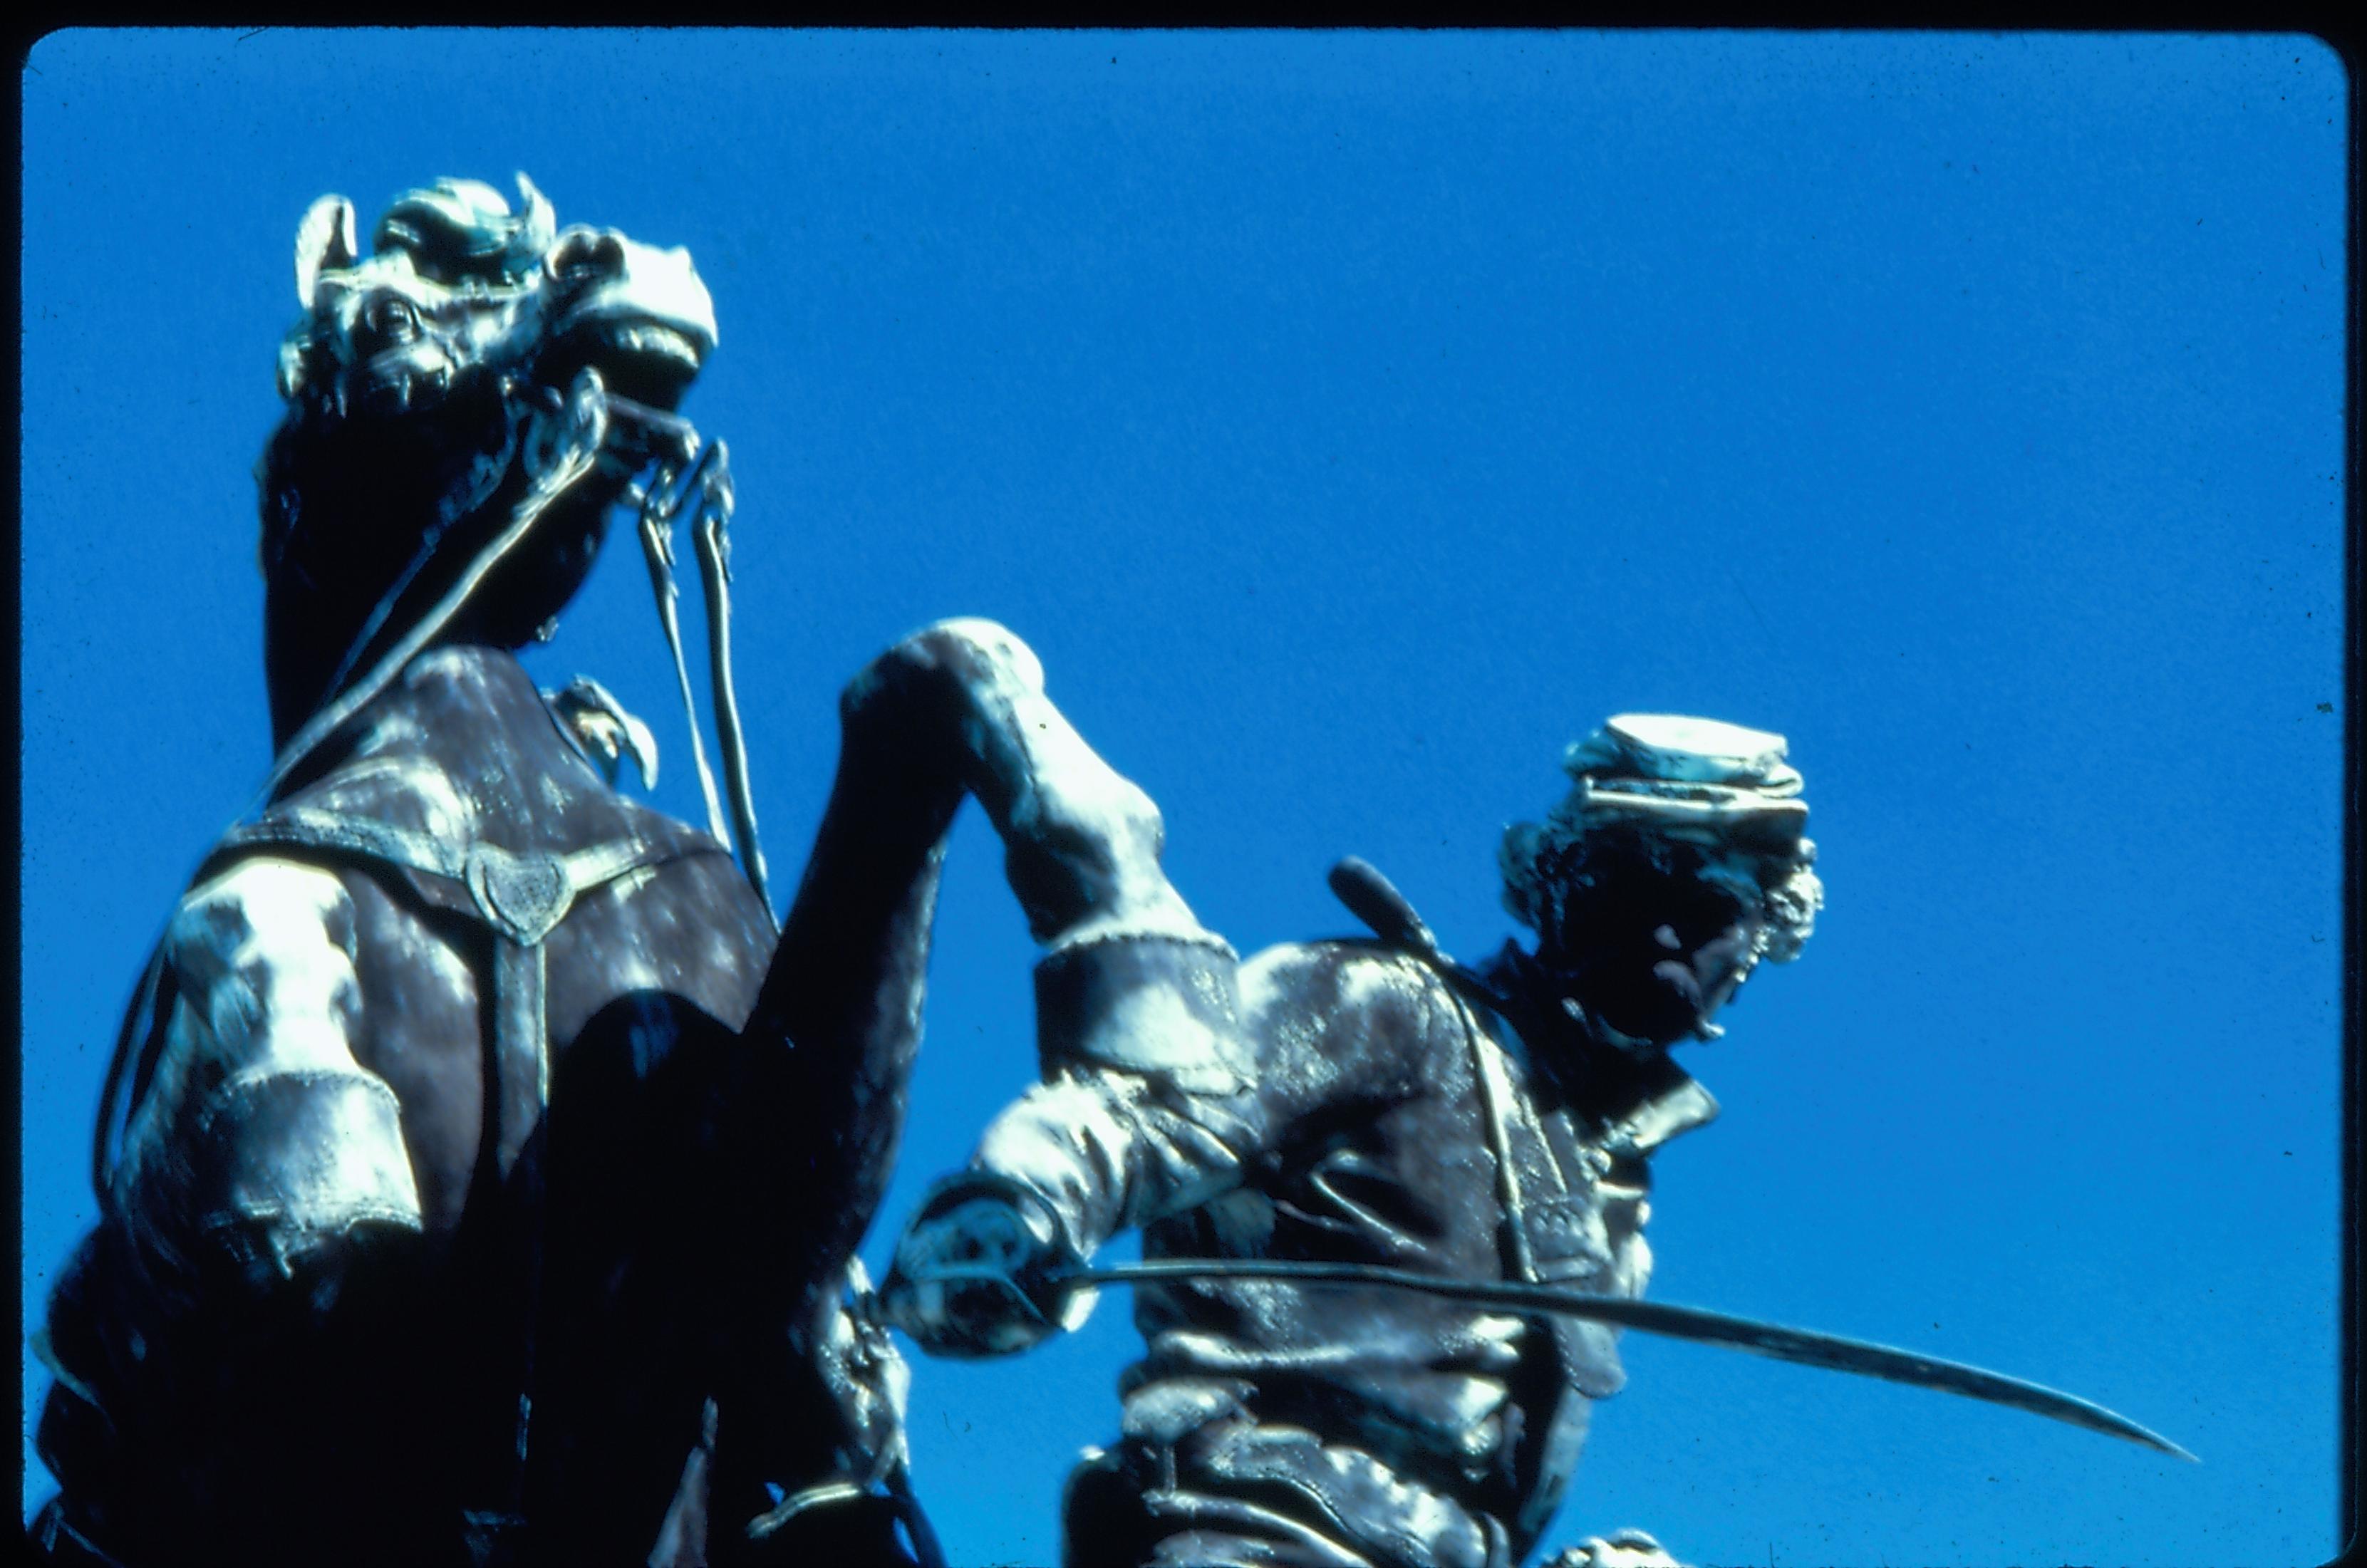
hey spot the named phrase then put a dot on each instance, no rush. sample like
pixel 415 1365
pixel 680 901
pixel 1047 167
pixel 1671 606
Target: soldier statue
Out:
pixel 1373 1104
pixel 480 1171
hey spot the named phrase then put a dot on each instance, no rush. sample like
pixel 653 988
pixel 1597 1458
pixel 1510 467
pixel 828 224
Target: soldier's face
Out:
pixel 1646 942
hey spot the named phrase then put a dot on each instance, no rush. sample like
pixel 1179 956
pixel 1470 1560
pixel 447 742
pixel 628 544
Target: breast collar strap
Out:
pixel 519 897
pixel 522 894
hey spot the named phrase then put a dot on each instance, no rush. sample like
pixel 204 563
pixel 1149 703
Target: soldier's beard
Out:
pixel 1658 1003
pixel 1651 954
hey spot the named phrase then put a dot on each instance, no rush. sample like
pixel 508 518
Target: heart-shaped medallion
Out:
pixel 525 895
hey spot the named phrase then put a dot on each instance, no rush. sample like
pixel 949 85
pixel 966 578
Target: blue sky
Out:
pixel 1349 420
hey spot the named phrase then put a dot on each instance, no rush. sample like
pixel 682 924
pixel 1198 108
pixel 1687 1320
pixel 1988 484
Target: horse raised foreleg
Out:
pixel 957 707
pixel 837 1023
pixel 815 1105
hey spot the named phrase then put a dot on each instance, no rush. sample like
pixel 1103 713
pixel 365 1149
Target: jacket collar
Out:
pixel 1637 1099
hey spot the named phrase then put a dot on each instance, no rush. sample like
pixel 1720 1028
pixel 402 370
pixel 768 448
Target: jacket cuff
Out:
pixel 1161 1002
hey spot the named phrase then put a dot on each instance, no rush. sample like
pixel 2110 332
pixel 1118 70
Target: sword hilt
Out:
pixel 1375 899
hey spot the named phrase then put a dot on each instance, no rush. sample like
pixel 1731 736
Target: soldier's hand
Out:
pixel 1625 1549
pixel 979 1273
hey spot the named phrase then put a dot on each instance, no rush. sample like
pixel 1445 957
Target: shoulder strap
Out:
pixel 1373 900
pixel 1498 1101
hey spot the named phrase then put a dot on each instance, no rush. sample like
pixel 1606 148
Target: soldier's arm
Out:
pixel 1153 1095
pixel 1327 1032
pixel 1321 1034
pixel 1139 1114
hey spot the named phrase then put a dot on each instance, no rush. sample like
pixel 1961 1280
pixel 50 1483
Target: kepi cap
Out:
pixel 1692 778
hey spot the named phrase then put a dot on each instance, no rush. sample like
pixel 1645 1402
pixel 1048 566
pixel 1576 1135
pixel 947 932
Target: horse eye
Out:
pixel 392 320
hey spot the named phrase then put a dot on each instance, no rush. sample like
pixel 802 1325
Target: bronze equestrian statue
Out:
pixel 1379 1110
pixel 1393 1207
pixel 479 1172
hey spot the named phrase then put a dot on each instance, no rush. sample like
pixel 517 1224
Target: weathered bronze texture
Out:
pixel 480 1176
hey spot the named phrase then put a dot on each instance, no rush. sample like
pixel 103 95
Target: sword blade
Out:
pixel 1805 1346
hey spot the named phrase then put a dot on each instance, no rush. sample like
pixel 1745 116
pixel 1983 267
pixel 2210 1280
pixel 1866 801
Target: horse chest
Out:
pixel 428 997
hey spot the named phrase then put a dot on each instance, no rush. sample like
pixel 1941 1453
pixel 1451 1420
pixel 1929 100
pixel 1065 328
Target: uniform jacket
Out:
pixel 1383 1119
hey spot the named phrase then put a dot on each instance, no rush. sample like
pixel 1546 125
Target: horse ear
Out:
pixel 324 240
pixel 539 224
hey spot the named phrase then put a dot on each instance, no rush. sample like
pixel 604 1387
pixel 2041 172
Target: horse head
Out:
pixel 414 383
